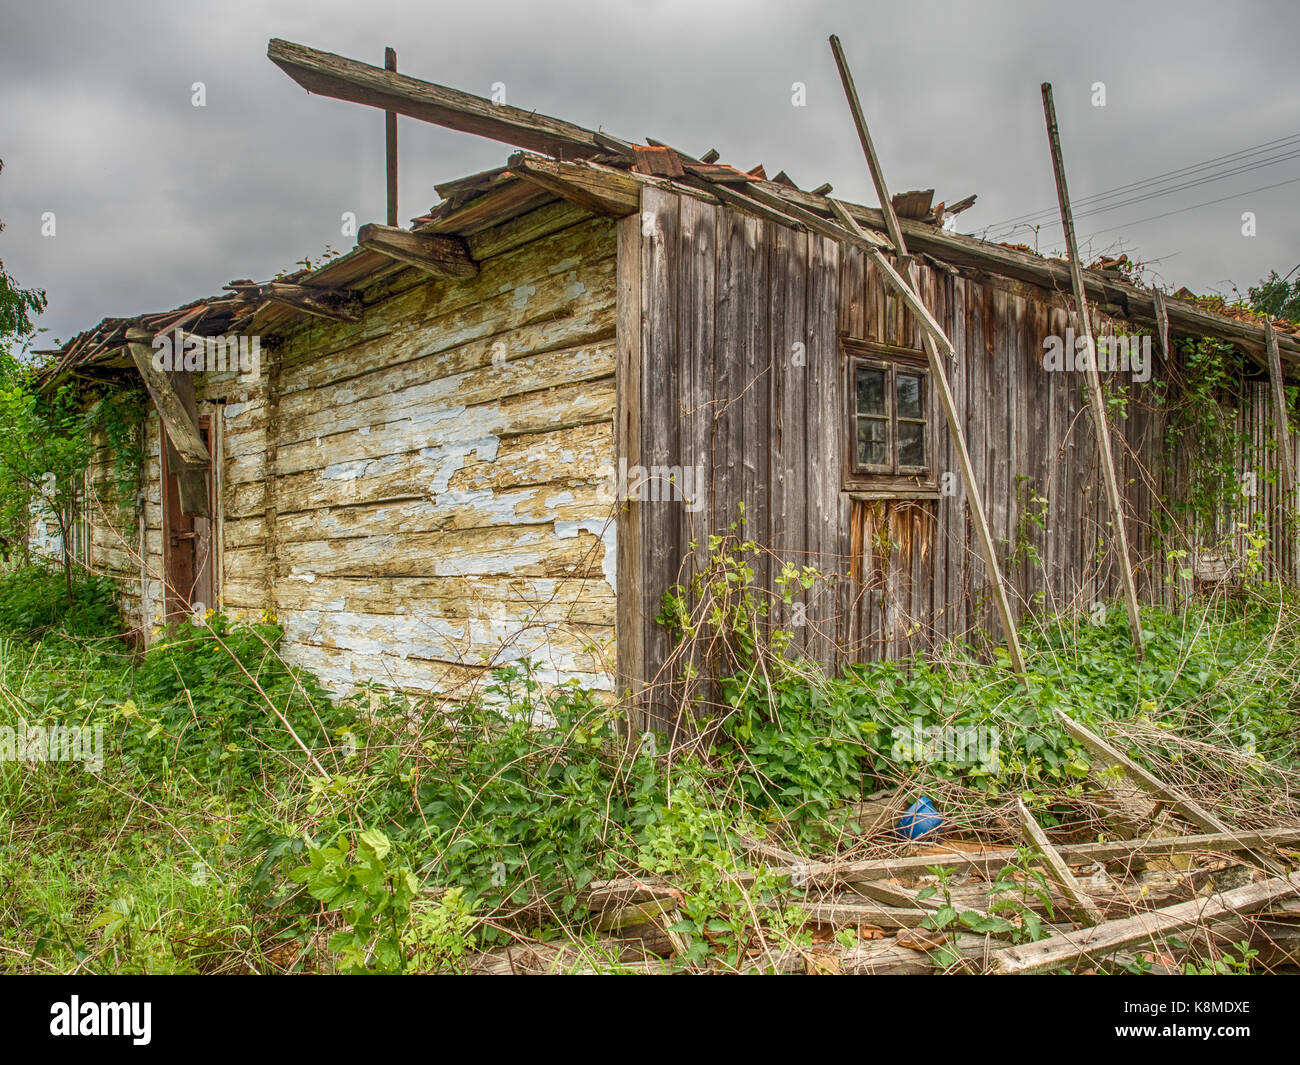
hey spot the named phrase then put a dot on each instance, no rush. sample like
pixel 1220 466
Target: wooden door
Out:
pixel 188 547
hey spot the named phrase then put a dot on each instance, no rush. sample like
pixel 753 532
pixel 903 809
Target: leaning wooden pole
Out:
pixel 1097 403
pixel 905 279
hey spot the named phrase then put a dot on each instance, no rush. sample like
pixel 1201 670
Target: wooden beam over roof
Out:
pixel 347 79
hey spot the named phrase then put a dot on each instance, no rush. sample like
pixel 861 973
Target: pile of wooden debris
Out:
pixel 1146 903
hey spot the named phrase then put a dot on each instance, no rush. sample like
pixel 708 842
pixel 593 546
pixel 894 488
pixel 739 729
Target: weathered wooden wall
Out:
pixel 425 493
pixel 722 303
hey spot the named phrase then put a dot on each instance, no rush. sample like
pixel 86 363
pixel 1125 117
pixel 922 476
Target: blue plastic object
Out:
pixel 921 820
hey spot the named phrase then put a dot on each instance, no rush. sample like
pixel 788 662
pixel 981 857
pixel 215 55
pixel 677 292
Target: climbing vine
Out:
pixel 115 417
pixel 1201 404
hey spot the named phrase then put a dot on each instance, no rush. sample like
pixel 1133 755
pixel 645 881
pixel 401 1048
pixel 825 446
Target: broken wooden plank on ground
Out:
pixel 1084 907
pixel 1103 940
pixel 1175 799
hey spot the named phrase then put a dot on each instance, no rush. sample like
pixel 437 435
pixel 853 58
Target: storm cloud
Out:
pixel 158 202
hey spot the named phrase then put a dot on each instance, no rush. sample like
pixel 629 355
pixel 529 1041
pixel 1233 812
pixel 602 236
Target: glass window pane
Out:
pixel 871 391
pixel 909 395
pixel 871 442
pixel 911 443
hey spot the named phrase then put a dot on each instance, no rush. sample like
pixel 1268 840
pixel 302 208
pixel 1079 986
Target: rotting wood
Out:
pixel 1162 322
pixel 437 255
pixel 985 862
pixel 630 647
pixel 1084 907
pixel 1103 940
pixel 1101 423
pixel 1175 799
pixel 339 305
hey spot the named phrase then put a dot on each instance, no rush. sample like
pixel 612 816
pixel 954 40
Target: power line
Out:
pixel 1237 156
pixel 1157 194
pixel 1193 207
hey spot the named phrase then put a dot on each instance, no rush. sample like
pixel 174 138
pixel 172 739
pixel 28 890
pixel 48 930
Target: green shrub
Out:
pixel 34 599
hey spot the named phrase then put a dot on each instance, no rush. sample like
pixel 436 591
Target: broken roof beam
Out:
pixel 599 190
pixel 437 255
pixel 182 429
pixel 347 79
pixel 336 304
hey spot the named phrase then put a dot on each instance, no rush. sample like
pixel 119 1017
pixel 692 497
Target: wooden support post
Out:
pixel 1174 799
pixel 1289 509
pixel 1100 423
pixel 1162 323
pixel 390 143
pixel 441 256
pixel 933 333
pixel 1282 421
pixel 1084 908
pixel 873 161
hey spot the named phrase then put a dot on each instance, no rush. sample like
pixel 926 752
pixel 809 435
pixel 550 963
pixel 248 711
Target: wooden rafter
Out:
pixel 441 256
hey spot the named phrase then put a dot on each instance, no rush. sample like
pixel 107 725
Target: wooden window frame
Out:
pixel 891 478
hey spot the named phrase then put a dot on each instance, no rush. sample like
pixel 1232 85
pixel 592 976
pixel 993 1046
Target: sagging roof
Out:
pixel 601 174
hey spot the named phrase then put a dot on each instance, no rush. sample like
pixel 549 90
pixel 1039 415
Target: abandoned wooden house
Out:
pixel 506 431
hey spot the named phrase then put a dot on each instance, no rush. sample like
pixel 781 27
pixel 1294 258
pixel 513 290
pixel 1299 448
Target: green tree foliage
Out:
pixel 1276 296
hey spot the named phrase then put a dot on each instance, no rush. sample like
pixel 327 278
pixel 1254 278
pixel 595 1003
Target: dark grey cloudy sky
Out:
pixel 158 202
